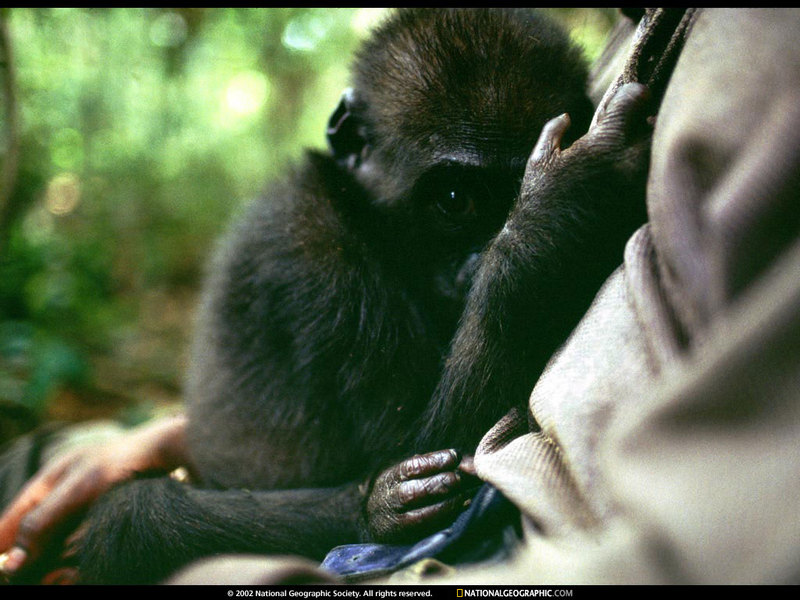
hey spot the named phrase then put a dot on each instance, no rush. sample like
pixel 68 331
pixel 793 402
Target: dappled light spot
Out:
pixel 66 149
pixel 246 93
pixel 306 31
pixel 168 30
pixel 366 18
pixel 63 194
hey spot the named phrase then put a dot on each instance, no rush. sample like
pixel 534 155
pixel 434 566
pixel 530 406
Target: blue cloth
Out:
pixel 479 533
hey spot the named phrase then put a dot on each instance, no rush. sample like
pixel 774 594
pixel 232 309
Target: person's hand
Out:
pixel 50 505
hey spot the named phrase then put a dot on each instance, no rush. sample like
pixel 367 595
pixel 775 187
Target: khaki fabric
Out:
pixel 238 569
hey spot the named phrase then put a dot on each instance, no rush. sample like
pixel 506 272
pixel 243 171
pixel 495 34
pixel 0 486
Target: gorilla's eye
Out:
pixel 456 203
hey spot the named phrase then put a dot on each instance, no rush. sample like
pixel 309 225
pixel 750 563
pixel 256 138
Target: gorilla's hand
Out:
pixel 614 152
pixel 420 495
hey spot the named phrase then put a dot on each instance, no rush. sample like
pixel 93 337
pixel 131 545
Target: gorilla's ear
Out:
pixel 346 136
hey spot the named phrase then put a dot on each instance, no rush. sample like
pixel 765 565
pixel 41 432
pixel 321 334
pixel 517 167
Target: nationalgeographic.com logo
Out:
pixel 513 593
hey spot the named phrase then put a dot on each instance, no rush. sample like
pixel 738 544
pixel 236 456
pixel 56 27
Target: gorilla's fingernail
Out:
pixel 550 138
pixel 11 561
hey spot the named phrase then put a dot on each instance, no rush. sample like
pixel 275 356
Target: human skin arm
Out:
pixel 55 498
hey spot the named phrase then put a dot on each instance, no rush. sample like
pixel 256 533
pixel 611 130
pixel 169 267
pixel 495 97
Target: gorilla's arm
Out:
pixel 142 517
pixel 566 233
pixel 564 236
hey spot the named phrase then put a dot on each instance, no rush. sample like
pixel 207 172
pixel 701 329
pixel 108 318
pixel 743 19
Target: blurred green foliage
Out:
pixel 141 132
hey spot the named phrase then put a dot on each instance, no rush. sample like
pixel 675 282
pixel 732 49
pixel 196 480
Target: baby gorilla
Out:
pixel 394 296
